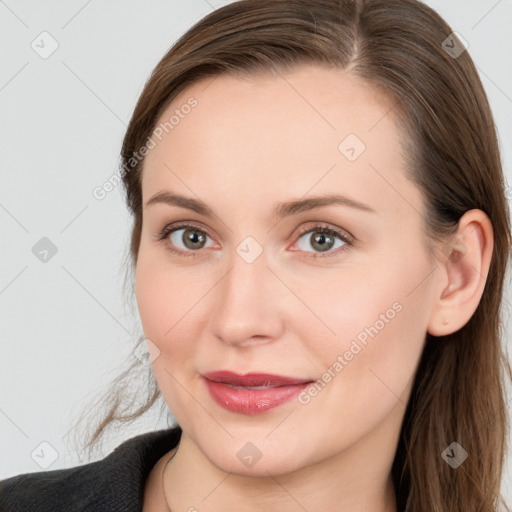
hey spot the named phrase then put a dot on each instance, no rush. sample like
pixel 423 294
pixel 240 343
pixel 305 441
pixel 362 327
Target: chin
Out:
pixel 253 462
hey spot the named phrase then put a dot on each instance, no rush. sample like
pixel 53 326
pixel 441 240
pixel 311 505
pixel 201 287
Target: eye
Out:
pixel 192 238
pixel 323 238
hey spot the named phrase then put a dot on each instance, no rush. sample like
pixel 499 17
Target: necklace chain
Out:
pixel 163 480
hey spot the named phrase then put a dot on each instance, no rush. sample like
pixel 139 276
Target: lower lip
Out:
pixel 252 401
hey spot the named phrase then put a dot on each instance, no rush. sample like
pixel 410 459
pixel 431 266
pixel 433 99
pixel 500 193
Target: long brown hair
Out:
pixel 406 50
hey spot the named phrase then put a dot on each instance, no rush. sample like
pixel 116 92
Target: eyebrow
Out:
pixel 281 210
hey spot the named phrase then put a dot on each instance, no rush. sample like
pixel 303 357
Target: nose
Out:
pixel 248 303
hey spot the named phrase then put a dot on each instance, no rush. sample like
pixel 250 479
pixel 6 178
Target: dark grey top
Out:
pixel 113 484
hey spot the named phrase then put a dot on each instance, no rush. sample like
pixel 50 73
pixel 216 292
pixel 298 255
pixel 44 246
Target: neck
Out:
pixel 357 479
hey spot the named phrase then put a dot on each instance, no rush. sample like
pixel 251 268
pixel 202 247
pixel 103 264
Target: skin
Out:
pixel 247 145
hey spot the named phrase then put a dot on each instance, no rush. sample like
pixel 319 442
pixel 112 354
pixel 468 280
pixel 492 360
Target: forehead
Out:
pixel 316 128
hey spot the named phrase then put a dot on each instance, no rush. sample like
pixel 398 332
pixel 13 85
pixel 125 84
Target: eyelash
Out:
pixel 318 228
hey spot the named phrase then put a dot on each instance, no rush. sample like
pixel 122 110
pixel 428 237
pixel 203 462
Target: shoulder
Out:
pixel 40 491
pixel 114 483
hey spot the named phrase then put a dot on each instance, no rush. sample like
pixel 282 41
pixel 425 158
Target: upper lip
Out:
pixel 253 379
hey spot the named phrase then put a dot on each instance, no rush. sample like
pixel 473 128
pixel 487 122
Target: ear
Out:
pixel 464 273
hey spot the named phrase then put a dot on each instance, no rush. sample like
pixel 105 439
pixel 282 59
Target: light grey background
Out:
pixel 65 328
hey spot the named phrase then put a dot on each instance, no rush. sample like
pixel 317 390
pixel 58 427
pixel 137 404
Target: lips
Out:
pixel 253 393
pixel 251 380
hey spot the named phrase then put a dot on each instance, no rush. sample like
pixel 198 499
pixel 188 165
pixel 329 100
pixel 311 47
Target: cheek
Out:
pixel 377 326
pixel 172 305
pixel 367 371
pixel 163 300
pixel 163 294
pixel 152 303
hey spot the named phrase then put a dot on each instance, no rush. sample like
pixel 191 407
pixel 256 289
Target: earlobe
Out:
pixel 463 274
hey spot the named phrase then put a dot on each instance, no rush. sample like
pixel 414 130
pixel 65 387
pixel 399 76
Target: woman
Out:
pixel 319 247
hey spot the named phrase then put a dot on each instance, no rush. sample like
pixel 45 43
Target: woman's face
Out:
pixel 255 287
